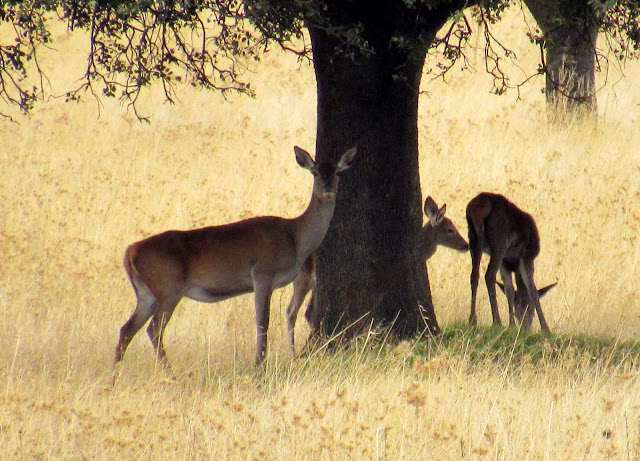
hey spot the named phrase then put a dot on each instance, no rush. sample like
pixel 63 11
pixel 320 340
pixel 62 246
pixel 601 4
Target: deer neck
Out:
pixel 312 225
pixel 428 241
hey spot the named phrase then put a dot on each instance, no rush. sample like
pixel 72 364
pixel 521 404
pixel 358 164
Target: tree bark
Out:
pixel 369 270
pixel 570 31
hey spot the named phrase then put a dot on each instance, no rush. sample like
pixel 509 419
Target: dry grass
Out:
pixel 76 190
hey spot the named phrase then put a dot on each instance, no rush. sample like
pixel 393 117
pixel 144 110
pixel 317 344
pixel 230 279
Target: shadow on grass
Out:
pixel 499 343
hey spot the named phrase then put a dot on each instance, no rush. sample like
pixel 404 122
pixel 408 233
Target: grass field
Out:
pixel 77 189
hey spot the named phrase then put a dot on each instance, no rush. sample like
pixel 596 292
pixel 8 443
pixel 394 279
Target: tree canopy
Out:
pixel 207 43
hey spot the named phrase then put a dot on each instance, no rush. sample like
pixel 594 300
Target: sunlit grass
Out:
pixel 464 397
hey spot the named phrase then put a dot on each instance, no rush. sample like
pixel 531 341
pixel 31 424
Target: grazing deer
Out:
pixel 216 263
pixel 437 231
pixel 510 237
pixel 522 303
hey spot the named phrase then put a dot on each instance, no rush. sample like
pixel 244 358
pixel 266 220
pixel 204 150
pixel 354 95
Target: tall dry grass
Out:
pixel 77 189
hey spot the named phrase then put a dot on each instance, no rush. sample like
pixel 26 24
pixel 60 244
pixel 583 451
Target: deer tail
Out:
pixel 129 266
pixel 477 213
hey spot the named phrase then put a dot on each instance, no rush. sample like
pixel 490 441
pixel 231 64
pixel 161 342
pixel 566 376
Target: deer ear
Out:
pixel 545 290
pixel 430 208
pixel 347 159
pixel 440 215
pixel 303 158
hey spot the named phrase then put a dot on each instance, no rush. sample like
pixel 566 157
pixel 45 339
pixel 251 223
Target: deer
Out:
pixel 510 237
pixel 216 263
pixel 438 231
pixel 522 304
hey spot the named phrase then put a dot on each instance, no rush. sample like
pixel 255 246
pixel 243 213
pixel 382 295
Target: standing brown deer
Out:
pixel 216 263
pixel 510 237
pixel 437 231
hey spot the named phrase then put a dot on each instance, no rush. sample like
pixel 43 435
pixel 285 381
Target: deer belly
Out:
pixel 213 287
pixel 229 289
pixel 205 295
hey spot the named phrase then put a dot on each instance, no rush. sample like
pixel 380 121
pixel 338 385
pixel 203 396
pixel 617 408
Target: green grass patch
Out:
pixel 499 344
pixel 459 348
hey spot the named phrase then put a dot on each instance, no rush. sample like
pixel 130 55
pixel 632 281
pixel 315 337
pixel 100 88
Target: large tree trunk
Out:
pixel 570 31
pixel 369 268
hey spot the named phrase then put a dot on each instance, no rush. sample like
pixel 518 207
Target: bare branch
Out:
pixel 451 47
pixel 494 52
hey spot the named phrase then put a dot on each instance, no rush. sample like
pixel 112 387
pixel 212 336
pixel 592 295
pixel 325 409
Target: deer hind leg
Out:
pixel 495 264
pixel 526 272
pixel 509 292
pixel 476 256
pixel 144 310
pixel 302 284
pixel 490 280
pixel 155 330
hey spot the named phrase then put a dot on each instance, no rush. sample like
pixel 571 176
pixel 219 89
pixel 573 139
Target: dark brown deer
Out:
pixel 510 237
pixel 216 263
pixel 437 231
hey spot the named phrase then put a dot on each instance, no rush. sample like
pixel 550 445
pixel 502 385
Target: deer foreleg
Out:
pixel 263 287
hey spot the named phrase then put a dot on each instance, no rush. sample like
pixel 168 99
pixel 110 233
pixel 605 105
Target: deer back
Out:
pixel 494 221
